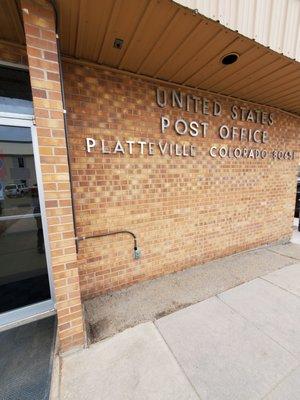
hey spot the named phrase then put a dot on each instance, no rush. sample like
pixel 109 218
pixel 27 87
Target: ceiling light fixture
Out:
pixel 118 43
pixel 229 58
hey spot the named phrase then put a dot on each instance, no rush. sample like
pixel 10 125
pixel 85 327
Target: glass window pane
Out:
pixel 15 91
pixel 23 267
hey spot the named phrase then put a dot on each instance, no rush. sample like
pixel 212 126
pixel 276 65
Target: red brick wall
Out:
pixel 13 53
pixel 39 25
pixel 184 210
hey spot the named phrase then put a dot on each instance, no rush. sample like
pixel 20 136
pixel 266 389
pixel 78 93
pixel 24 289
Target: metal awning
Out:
pixel 164 40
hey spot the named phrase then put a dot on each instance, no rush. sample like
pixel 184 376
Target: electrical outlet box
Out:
pixel 137 254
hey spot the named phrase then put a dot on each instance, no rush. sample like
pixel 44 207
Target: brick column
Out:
pixel 39 25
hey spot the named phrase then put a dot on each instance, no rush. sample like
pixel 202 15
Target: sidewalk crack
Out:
pixel 280 287
pixel 258 328
pixel 177 361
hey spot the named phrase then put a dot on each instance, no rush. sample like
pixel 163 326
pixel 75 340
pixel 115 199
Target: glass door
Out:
pixel 24 279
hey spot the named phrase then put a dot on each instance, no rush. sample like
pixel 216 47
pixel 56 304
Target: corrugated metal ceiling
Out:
pixel 167 41
pixel 273 23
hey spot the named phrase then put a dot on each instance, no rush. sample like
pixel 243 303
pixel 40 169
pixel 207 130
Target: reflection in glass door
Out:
pixel 23 267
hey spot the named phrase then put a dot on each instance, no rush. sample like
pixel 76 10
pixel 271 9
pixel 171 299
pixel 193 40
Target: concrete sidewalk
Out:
pixel 147 301
pixel 243 343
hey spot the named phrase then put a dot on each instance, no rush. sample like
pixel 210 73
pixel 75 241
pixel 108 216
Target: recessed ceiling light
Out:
pixel 229 58
pixel 118 43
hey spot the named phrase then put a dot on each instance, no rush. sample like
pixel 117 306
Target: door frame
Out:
pixel 45 308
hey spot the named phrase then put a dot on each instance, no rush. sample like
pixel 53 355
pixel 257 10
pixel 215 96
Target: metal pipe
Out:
pixel 78 239
pixel 136 251
pixel 54 6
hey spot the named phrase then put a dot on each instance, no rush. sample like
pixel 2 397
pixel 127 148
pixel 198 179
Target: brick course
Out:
pixel 13 53
pixel 39 27
pixel 184 211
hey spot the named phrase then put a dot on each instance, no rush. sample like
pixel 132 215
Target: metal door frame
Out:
pixel 42 309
